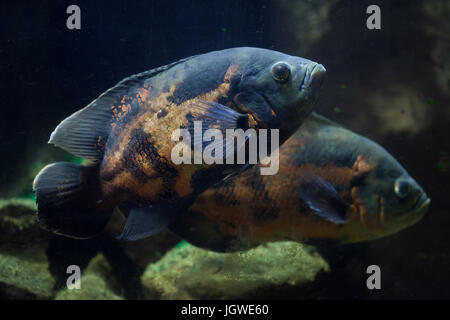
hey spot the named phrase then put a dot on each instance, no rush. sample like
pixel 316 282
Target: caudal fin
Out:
pixel 65 196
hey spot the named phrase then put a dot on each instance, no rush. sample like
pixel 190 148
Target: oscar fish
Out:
pixel 333 186
pixel 127 134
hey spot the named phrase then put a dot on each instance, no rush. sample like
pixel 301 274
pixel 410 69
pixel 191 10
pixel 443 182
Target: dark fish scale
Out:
pixel 260 199
pixel 141 147
pixel 206 82
pixel 226 196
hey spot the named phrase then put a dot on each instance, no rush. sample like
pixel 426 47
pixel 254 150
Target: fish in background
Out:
pixel 127 133
pixel 333 186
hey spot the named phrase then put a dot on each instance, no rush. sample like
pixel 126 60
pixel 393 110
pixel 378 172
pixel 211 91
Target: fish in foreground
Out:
pixel 127 133
pixel 333 186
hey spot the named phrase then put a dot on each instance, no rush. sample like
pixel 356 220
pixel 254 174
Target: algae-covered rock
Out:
pixel 96 283
pixel 25 275
pixel 33 261
pixel 18 220
pixel 276 270
pixel 23 261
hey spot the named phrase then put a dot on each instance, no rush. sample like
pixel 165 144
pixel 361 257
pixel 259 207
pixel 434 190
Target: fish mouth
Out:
pixel 420 208
pixel 314 75
pixel 421 205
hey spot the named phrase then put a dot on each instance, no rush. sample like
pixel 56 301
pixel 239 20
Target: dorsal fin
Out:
pixel 83 132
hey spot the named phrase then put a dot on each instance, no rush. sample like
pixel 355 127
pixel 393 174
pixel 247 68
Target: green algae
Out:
pixel 96 283
pixel 187 272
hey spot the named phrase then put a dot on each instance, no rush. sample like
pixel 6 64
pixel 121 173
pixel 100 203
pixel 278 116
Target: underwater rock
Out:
pixel 18 219
pixel 276 270
pixel 403 110
pixel 97 283
pixel 23 261
pixel 25 275
pixel 33 261
pixel 437 27
pixel 377 85
pixel 309 19
pixel 184 272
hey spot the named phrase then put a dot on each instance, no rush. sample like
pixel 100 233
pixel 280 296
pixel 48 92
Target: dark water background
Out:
pixel 47 72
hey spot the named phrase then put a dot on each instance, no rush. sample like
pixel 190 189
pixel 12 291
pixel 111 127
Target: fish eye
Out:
pixel 402 188
pixel 281 71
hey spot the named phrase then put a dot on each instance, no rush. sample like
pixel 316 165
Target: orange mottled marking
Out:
pixel 182 184
pixel 231 71
pixel 143 94
pixel 292 223
pixel 252 123
pixel 361 166
pixel 160 130
pixel 365 219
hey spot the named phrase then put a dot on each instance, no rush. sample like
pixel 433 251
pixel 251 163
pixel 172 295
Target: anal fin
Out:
pixel 143 222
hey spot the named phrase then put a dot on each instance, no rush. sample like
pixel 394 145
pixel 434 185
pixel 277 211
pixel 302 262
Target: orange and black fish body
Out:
pixel 332 186
pixel 127 132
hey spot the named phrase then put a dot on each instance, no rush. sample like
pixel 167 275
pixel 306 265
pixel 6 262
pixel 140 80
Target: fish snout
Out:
pixel 314 76
pixel 408 188
pixel 422 204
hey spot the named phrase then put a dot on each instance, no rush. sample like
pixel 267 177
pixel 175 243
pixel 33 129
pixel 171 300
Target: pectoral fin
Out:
pixel 323 199
pixel 213 115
